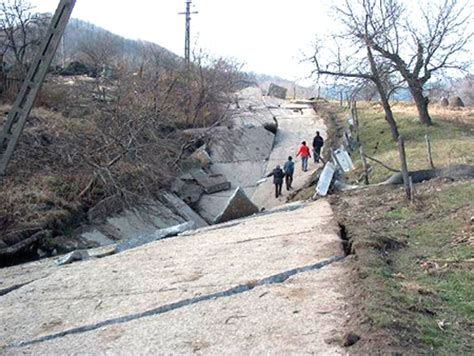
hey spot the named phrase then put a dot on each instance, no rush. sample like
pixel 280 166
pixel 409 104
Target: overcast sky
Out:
pixel 268 35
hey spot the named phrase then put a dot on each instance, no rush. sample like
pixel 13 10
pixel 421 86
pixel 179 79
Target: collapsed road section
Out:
pixel 268 283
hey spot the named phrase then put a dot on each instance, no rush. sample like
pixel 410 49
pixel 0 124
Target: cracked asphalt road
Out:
pixel 268 284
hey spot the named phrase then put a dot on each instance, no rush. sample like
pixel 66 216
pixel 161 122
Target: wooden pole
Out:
pixel 364 164
pixel 355 117
pixel 404 166
pixel 428 147
pixel 412 189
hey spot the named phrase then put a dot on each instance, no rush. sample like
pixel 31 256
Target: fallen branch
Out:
pixel 383 164
pixel 453 172
pixel 11 250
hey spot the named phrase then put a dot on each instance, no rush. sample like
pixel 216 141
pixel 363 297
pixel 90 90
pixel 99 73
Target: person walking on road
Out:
pixel 305 155
pixel 318 143
pixel 278 175
pixel 289 168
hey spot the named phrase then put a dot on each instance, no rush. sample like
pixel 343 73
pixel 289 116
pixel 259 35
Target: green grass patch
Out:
pixel 452 142
pixel 420 292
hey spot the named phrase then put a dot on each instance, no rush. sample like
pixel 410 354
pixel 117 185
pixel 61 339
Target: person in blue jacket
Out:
pixel 289 168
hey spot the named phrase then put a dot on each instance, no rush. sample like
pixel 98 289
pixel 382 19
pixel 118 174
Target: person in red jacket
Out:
pixel 305 155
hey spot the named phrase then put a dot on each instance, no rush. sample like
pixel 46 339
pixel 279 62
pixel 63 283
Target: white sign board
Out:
pixel 325 179
pixel 344 160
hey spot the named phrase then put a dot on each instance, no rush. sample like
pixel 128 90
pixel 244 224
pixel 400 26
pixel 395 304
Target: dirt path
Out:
pixel 292 130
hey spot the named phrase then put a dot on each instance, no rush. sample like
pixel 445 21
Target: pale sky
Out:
pixel 269 36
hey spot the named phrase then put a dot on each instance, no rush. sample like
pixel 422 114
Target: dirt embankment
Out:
pixel 412 266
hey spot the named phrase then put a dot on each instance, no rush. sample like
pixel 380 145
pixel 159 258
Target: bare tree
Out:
pixel 20 29
pixel 99 49
pixel 211 82
pixel 360 66
pixel 416 49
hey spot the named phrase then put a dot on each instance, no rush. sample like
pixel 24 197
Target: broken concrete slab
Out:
pixel 188 190
pixel 238 206
pixel 157 235
pixel 211 183
pixel 244 174
pixel 158 298
pixel 144 220
pixel 211 205
pixel 97 237
pixel 243 144
pixel 184 210
pixel 277 91
pixel 225 206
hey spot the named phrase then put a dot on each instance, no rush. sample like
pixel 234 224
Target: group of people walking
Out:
pixel 288 170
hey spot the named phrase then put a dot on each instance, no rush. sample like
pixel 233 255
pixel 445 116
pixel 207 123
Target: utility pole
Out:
pixel 187 40
pixel 25 99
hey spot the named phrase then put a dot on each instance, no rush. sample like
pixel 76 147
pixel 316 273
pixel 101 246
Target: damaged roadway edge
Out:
pixel 242 288
pixel 286 208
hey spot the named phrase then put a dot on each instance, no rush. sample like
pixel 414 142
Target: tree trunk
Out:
pixel 421 103
pixel 389 118
pixel 383 95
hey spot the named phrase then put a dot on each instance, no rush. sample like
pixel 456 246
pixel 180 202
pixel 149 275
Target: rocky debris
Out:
pixel 78 255
pixel 157 235
pixel 211 183
pixel 238 206
pixel 277 91
pixel 444 102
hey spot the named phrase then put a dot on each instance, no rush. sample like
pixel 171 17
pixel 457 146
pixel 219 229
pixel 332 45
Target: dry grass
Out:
pixel 451 137
pixel 459 115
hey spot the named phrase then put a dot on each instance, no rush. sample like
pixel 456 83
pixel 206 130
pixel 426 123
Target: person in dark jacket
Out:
pixel 318 143
pixel 289 168
pixel 278 175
